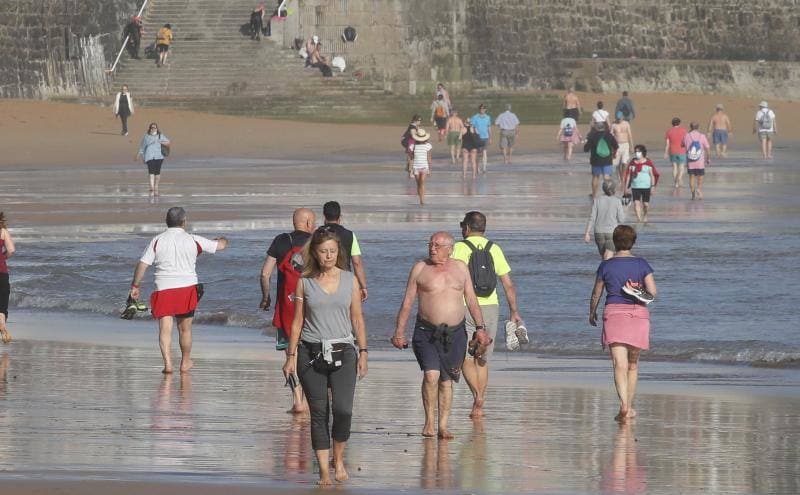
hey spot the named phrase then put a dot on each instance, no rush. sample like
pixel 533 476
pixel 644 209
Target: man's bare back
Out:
pixel 571 100
pixel 720 121
pixel 454 123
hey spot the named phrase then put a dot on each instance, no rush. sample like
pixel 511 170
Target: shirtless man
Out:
pixel 719 128
pixel 440 338
pixel 572 105
pixel 454 127
pixel 621 130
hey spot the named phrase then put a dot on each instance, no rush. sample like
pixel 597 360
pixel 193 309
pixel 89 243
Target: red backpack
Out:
pixel 291 266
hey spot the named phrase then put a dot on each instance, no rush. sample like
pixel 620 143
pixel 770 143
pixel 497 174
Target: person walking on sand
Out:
pixel 641 179
pixel 482 122
pixel 625 107
pixel 174 254
pixel 7 250
pixel 607 213
pixel 454 128
pixel 473 250
pixel 508 123
pixel 626 320
pixel 151 149
pixel 441 285
pixel 601 116
pixel 441 91
pixel 675 152
pixel 572 105
pixel 601 146
pixel 407 142
pixel 422 161
pixel 286 253
pixel 766 127
pixel 568 135
pixel 123 107
pixel 720 129
pixel 163 40
pixel 697 158
pixel 621 130
pixel 322 350
pixel 332 211
pixel 440 111
pixel 470 144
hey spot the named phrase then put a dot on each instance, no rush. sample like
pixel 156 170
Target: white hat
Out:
pixel 763 104
pixel 315 38
pixel 420 135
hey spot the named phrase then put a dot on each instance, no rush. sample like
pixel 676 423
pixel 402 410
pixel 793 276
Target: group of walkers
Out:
pixel 318 313
pixel 134 32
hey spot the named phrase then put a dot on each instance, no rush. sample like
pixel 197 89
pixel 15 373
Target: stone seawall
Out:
pixel 59 48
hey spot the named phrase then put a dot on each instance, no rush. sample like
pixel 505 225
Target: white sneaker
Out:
pixel 512 342
pixel 639 294
pixel 522 333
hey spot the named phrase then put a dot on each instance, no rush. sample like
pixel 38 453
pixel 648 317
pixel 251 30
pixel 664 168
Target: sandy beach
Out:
pixel 84 409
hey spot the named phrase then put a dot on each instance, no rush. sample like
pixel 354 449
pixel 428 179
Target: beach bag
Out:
pixel 481 269
pixel 602 149
pixel 695 151
pixel 568 130
pixel 349 34
pixel 765 122
pixel 291 266
pixel 164 148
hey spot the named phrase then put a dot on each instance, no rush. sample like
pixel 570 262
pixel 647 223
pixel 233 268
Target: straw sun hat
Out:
pixel 420 135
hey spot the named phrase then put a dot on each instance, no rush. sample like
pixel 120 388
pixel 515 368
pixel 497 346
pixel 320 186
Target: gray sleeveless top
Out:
pixel 327 316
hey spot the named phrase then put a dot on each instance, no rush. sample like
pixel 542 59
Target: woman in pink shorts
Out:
pixel 626 320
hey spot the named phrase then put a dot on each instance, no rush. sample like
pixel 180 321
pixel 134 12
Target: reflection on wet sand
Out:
pixel 623 473
pixel 436 471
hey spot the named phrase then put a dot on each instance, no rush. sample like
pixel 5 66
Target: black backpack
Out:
pixel 481 269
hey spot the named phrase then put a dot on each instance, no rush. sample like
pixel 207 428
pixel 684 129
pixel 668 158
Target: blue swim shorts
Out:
pixel 720 136
pixel 679 159
pixel 602 169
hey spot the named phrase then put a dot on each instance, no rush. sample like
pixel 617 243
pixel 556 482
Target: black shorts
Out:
pixel 696 171
pixel 440 348
pixel 642 195
pixel 572 112
pixel 154 167
pixel 5 291
pixel 162 48
pixel 441 122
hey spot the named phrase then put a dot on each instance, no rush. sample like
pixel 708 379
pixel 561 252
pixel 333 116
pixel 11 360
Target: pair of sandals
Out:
pixel 516 335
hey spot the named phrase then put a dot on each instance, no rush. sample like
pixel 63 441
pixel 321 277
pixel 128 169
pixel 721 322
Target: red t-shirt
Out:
pixel 675 137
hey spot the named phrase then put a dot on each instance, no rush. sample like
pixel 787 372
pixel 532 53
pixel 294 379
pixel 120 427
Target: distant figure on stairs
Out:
pixel 316 58
pixel 163 40
pixel 134 31
pixel 257 21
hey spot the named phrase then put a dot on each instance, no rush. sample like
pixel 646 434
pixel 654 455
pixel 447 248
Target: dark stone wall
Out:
pixel 42 42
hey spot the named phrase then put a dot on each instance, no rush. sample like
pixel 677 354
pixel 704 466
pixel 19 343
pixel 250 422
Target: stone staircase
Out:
pixel 213 65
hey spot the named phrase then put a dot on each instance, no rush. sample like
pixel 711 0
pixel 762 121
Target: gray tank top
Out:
pixel 327 316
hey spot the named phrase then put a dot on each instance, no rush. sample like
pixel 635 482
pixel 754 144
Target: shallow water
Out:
pixel 725 266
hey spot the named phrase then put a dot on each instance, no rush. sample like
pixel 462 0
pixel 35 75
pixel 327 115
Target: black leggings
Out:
pixel 342 383
pixel 5 290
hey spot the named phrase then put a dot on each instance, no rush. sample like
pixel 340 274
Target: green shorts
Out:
pixel 679 159
pixel 453 138
pixel 281 340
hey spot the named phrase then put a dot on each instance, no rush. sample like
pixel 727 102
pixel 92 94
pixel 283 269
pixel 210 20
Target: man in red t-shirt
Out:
pixel 675 152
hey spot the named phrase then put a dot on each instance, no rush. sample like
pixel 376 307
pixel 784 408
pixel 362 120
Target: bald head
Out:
pixel 304 219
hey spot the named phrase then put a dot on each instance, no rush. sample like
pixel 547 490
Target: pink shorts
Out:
pixel 174 302
pixel 626 324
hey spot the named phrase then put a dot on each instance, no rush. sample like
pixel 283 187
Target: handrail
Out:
pixel 125 43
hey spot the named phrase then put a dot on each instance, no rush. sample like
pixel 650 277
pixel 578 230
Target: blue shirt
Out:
pixel 150 148
pixel 481 123
pixel 615 272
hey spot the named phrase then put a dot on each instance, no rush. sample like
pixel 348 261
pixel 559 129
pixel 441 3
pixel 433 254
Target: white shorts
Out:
pixel 623 154
pixel 420 171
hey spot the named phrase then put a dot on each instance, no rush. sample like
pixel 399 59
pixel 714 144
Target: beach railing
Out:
pixel 113 67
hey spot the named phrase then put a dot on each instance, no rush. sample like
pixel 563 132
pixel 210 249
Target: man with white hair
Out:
pixel 509 130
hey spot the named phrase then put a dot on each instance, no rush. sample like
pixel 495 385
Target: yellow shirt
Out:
pixel 164 36
pixel 462 252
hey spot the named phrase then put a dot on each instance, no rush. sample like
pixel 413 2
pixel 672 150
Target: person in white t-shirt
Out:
pixel 174 253
pixel 568 135
pixel 422 161
pixel 600 115
pixel 766 127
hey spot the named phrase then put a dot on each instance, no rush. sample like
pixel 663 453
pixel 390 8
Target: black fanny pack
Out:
pixel 318 359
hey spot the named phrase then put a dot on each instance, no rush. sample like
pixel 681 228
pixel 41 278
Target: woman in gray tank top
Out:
pixel 325 328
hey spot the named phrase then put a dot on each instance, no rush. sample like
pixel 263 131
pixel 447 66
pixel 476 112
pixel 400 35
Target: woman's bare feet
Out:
pixel 622 415
pixel 325 480
pixel 6 336
pixel 428 431
pixel 477 409
pixel 186 365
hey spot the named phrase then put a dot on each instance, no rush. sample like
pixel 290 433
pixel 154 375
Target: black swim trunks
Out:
pixel 154 167
pixel 572 112
pixel 440 347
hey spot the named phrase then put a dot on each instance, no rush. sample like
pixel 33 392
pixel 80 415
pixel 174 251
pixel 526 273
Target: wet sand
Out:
pixel 83 399
pixel 84 409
